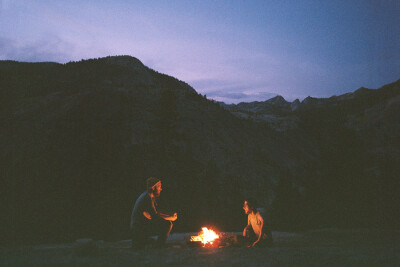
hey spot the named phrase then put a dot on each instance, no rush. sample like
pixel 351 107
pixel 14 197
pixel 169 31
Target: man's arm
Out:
pixel 168 217
pixel 247 227
pixel 148 209
pixel 153 212
pixel 245 230
pixel 147 215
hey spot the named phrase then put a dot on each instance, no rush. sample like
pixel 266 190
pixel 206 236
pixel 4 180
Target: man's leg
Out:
pixel 140 236
pixel 248 238
pixel 266 240
pixel 251 235
pixel 163 229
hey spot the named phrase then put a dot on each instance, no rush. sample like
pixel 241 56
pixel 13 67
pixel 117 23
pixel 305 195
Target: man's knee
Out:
pixel 162 225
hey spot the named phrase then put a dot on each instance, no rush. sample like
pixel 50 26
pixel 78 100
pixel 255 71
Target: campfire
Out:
pixel 206 236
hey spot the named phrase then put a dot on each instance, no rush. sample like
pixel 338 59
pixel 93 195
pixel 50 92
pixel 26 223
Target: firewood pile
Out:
pixel 224 240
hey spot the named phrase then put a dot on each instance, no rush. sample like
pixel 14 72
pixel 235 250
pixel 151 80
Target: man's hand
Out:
pixel 168 217
pixel 254 244
pixel 147 215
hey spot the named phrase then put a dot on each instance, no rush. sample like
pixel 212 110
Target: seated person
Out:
pixel 257 232
pixel 146 220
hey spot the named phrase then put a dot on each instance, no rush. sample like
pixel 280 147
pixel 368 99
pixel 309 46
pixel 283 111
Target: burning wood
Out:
pixel 209 238
pixel 206 236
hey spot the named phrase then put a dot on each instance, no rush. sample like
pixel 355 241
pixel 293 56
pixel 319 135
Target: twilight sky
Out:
pixel 232 51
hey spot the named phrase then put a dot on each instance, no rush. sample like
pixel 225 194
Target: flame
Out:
pixel 206 236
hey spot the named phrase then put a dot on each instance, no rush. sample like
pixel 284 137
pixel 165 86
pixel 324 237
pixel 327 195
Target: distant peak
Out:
pixel 277 100
pixel 279 97
pixel 307 100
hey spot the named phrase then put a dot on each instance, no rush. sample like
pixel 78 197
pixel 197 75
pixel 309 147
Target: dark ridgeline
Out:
pixel 79 139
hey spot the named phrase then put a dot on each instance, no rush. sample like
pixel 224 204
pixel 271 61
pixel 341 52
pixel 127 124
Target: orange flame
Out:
pixel 206 236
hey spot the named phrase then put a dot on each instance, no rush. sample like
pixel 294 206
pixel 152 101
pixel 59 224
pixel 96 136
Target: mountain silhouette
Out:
pixel 78 141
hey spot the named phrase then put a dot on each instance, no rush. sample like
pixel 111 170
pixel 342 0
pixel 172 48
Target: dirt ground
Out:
pixel 329 247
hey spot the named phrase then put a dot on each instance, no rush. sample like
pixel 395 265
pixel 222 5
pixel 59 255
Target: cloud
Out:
pixel 236 97
pixel 228 95
pixel 49 48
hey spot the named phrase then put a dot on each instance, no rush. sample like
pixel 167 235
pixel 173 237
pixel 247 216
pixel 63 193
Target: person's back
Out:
pixel 140 205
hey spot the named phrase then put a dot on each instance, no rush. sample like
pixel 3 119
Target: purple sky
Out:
pixel 232 51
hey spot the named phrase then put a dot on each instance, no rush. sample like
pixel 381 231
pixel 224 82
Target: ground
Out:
pixel 329 247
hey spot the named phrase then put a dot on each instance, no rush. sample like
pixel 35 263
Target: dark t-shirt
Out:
pixel 143 203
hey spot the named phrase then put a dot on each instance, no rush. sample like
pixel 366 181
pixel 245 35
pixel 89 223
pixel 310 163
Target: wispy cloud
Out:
pixel 237 97
pixel 49 48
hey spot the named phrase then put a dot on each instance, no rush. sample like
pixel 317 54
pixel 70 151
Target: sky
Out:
pixel 231 51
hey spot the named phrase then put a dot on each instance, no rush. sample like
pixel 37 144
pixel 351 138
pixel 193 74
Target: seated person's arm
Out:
pixel 147 215
pixel 150 212
pixel 153 213
pixel 168 217
pixel 246 228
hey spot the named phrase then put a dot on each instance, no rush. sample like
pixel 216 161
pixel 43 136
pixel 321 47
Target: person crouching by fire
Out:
pixel 146 220
pixel 256 233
